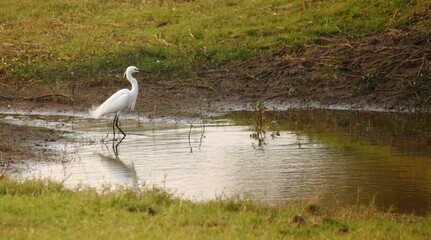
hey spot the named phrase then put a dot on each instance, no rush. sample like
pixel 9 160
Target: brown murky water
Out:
pixel 342 156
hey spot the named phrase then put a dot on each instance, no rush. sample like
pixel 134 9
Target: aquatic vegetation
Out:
pixel 261 125
pixel 259 128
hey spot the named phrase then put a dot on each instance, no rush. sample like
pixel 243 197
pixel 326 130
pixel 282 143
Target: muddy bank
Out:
pixel 390 70
pixel 20 145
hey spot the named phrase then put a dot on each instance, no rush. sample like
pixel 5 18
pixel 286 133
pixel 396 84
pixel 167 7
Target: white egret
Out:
pixel 123 98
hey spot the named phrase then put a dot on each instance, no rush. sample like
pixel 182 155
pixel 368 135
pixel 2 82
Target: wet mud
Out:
pixel 22 145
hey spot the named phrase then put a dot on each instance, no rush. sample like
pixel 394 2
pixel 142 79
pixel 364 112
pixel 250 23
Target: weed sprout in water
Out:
pixel 259 123
pixel 259 130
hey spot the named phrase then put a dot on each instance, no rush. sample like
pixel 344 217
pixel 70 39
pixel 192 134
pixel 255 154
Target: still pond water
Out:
pixel 342 157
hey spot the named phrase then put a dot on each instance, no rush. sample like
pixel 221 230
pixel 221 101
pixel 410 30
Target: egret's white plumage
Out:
pixel 122 99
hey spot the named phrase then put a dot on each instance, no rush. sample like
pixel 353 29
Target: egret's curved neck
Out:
pixel 133 81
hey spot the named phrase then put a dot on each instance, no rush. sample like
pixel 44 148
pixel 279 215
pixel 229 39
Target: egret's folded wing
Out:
pixel 113 104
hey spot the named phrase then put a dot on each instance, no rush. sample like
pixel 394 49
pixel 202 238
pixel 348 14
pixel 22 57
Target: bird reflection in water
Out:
pixel 115 145
pixel 115 165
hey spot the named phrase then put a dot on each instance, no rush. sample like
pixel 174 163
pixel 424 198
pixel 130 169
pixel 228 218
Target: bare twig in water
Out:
pixel 298 140
pixel 203 125
pixel 190 131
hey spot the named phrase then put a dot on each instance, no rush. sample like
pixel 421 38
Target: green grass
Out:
pixel 46 210
pixel 45 41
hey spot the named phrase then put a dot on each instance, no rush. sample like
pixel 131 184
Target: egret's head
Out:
pixel 133 69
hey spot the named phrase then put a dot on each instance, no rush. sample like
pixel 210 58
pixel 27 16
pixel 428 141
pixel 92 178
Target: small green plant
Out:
pixel 368 82
pixel 274 127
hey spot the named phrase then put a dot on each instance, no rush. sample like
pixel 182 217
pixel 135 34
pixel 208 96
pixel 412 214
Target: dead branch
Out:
pixel 196 85
pixel 36 98
pixel 277 95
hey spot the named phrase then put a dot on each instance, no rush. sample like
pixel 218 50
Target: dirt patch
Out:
pixel 390 70
pixel 20 144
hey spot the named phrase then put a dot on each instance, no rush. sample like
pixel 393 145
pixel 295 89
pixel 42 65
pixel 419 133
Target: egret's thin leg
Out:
pixel 121 140
pixel 113 147
pixel 113 126
pixel 116 124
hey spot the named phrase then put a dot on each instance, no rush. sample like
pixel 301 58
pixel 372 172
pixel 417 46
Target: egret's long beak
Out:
pixel 143 71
